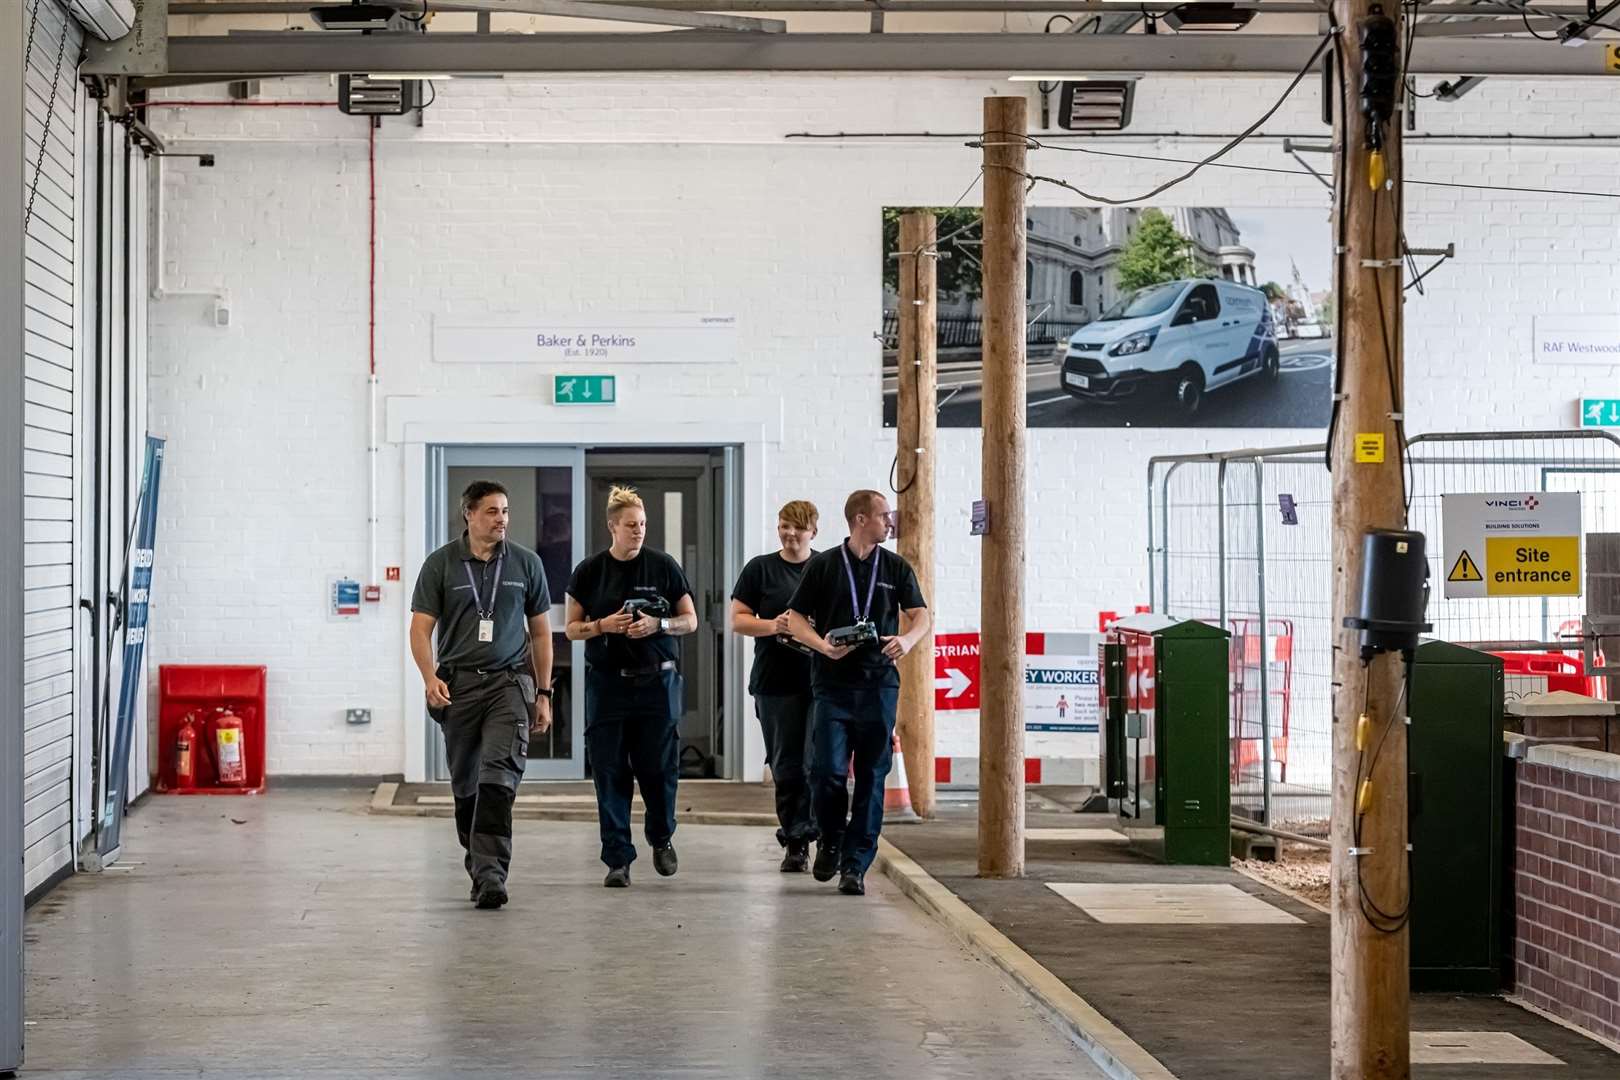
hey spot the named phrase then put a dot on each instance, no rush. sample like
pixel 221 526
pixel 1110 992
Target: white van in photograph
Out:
pixel 1181 338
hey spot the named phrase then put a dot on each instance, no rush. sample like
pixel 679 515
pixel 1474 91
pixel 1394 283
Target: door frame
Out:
pixel 750 427
pixel 441 459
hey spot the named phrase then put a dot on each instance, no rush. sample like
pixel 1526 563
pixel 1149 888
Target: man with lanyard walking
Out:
pixel 490 685
pixel 867 612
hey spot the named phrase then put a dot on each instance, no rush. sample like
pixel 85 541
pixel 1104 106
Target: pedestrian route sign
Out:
pixel 1512 544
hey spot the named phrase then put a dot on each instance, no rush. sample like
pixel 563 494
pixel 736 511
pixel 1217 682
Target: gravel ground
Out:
pixel 1299 868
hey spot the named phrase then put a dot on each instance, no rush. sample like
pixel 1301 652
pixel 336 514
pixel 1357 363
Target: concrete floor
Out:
pixel 294 935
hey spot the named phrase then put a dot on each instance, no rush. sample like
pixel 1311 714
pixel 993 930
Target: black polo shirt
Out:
pixel 602 584
pixel 824 596
pixel 444 592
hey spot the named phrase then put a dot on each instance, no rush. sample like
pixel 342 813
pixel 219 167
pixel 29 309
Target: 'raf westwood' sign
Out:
pixel 1578 339
pixel 623 339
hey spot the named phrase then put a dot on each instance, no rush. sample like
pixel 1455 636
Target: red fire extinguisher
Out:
pixel 230 755
pixel 185 753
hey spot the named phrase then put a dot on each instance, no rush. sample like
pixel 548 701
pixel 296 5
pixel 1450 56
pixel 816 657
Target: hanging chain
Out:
pixel 50 110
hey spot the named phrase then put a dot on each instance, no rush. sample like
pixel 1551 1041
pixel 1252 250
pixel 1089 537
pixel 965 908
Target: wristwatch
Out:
pixel 663 625
pixel 546 693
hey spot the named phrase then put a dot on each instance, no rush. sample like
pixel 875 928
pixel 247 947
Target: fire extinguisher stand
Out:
pixel 217 713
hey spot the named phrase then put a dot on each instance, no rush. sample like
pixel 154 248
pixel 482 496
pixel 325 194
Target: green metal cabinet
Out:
pixel 1455 806
pixel 1165 737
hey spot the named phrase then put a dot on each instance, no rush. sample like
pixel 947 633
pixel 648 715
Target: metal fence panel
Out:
pixel 1243 539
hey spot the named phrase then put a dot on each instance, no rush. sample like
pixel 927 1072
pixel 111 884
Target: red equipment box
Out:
pixel 201 691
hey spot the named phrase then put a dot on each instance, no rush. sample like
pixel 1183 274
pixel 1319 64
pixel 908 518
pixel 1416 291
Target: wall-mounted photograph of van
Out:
pixel 1194 316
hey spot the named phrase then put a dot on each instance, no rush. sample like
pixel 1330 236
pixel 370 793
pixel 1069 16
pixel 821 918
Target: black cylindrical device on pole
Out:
pixel 1394 592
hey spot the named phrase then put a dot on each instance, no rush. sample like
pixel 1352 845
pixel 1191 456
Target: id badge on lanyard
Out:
pixel 486 617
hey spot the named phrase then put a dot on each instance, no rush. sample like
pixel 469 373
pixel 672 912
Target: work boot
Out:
pixel 664 860
pixel 797 859
pixel 617 878
pixel 491 895
pixel 826 861
pixel 852 883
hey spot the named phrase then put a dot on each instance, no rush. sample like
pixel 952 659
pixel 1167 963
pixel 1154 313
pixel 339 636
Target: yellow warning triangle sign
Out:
pixel 1464 570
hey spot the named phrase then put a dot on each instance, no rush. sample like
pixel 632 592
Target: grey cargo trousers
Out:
pixel 486 740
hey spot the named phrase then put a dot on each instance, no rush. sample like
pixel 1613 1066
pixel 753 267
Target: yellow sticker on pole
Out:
pixel 1369 447
pixel 1533 566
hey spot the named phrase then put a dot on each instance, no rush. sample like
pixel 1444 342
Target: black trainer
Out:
pixel 474 894
pixel 664 861
pixel 826 867
pixel 491 895
pixel 852 883
pixel 617 878
pixel 797 859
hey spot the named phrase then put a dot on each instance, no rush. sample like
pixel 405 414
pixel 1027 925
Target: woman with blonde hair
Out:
pixel 628 604
pixel 780 680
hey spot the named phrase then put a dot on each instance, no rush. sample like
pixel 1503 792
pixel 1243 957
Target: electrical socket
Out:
pixel 358 716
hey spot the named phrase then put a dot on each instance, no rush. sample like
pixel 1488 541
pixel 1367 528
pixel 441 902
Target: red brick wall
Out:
pixel 1567 893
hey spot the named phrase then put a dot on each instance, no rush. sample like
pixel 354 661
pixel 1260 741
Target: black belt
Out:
pixel 642 672
pixel 452 672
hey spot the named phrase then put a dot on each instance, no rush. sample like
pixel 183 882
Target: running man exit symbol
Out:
pixel 584 389
pixel 1600 412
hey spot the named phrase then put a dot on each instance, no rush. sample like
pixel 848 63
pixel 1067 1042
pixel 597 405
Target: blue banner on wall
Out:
pixel 137 594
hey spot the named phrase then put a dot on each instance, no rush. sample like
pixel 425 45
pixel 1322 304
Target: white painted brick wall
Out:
pixel 547 196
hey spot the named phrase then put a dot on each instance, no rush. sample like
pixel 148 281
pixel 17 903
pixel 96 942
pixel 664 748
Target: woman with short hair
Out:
pixel 780 681
pixel 628 604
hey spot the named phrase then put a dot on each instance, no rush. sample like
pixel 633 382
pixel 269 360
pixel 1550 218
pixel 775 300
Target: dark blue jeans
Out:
pixel 858 722
pixel 633 739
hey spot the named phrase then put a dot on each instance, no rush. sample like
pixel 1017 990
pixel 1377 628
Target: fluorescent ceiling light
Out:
pixel 354 16
pixel 1072 77
pixel 408 75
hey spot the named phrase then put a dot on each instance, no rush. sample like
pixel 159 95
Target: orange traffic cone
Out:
pixel 896 792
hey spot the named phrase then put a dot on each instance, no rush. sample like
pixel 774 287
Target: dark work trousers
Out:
pixel 486 739
pixel 786 720
pixel 858 722
pixel 633 738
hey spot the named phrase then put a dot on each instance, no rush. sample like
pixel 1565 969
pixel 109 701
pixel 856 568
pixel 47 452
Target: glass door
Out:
pixel 546 493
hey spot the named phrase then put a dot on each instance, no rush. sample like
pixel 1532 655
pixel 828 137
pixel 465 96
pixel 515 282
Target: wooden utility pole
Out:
pixel 1001 585
pixel 1371 883
pixel 918 376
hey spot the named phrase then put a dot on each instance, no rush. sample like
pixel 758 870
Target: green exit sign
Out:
pixel 584 389
pixel 1600 412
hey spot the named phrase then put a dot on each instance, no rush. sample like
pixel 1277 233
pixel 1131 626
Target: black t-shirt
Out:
pixel 823 596
pixel 602 584
pixel 765 586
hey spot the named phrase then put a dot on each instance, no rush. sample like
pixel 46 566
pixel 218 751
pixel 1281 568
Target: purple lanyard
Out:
pixel 861 614
pixel 466 564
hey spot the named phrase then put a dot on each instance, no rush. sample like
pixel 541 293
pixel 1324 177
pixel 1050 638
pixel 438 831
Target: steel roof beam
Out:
pixel 308 53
